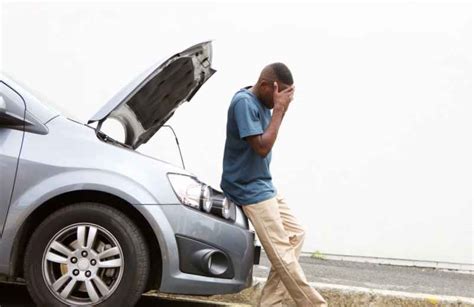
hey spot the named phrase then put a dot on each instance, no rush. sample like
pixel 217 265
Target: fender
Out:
pixel 84 179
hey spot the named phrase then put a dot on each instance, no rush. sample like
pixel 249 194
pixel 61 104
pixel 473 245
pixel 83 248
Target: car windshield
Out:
pixel 42 98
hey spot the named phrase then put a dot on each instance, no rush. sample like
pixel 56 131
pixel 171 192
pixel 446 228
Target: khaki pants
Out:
pixel 282 238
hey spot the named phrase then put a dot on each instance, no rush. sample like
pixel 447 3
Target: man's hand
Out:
pixel 281 100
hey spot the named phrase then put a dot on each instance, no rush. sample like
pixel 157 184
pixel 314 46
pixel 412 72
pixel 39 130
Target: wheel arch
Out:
pixel 104 198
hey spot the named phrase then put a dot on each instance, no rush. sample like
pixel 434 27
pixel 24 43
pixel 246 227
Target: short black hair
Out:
pixel 282 73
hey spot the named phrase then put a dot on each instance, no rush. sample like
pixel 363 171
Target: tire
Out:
pixel 102 247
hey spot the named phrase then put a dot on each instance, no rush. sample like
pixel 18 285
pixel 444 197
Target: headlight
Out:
pixel 226 208
pixel 206 201
pixel 191 192
pixel 222 206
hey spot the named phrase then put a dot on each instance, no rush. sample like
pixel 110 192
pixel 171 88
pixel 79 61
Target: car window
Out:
pixel 33 93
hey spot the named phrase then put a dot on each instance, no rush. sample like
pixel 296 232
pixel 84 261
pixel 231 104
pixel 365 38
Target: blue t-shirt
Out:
pixel 246 177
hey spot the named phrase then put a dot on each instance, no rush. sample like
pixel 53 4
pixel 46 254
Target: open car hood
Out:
pixel 144 105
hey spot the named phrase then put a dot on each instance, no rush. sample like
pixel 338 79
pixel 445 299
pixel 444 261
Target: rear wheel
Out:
pixel 86 254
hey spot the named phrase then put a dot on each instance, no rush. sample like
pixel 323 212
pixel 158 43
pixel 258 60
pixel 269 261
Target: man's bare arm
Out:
pixel 263 143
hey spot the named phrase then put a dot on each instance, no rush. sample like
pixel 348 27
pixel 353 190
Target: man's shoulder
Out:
pixel 241 94
pixel 243 98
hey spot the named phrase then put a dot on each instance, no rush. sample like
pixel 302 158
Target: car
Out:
pixel 87 220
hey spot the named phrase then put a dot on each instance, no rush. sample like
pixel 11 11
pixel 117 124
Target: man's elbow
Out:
pixel 263 152
pixel 260 148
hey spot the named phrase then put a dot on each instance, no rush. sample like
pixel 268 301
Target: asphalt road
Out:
pixel 367 275
pixel 381 276
pixel 16 295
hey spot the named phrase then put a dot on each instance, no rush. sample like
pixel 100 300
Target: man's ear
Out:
pixel 270 85
pixel 261 83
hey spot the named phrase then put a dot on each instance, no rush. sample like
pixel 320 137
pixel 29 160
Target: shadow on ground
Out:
pixel 16 295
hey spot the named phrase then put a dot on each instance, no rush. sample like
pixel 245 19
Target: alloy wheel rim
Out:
pixel 83 264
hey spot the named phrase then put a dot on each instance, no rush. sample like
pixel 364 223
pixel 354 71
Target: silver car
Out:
pixel 87 220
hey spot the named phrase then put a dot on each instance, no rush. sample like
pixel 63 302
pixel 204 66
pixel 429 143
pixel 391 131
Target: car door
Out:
pixel 12 124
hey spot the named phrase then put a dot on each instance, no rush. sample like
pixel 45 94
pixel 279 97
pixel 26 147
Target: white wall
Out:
pixel 375 153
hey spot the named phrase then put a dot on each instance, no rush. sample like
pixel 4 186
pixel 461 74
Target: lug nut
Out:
pixel 84 254
pixel 93 262
pixel 88 273
pixel 75 272
pixel 73 259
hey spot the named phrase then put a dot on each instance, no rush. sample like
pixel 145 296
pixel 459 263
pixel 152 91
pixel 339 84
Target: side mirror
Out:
pixel 14 116
pixel 3 106
pixel 8 119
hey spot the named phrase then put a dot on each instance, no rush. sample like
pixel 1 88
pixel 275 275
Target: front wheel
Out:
pixel 86 254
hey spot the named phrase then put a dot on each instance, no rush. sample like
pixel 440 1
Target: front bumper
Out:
pixel 194 234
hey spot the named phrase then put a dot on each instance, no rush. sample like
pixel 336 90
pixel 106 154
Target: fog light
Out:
pixel 212 261
pixel 217 263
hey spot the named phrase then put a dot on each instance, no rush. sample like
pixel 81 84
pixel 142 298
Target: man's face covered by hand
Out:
pixel 267 89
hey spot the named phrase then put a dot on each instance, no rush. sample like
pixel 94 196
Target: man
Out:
pixel 251 133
